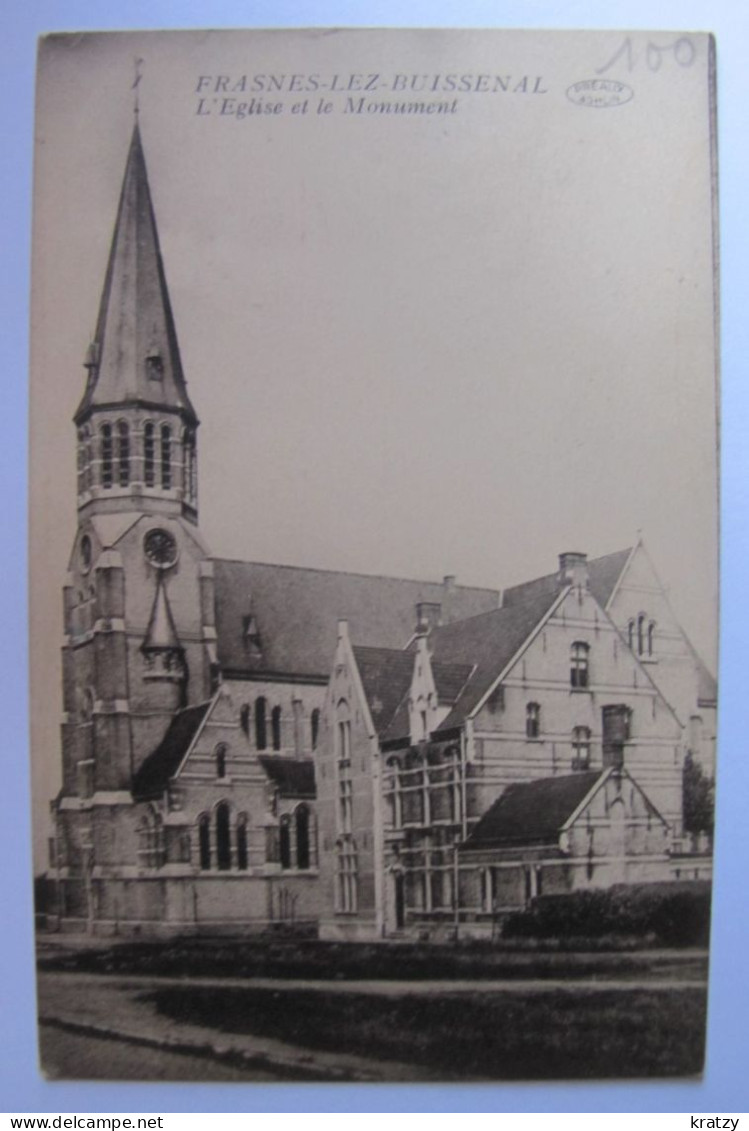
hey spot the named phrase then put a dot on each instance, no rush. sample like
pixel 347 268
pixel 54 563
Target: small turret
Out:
pixel 163 653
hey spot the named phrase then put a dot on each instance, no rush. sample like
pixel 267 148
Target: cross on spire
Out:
pixel 138 76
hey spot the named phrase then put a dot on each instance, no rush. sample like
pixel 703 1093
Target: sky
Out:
pixel 418 344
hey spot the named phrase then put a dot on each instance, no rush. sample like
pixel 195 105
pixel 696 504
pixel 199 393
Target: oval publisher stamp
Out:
pixel 600 94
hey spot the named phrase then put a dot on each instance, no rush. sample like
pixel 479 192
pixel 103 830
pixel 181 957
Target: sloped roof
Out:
pixel 161 764
pixel 603 572
pixel 487 642
pixel 449 679
pixel 386 678
pixel 293 777
pixel 135 316
pixel 296 611
pixel 533 812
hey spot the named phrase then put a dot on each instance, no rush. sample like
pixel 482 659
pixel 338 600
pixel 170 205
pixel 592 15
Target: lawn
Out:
pixel 578 1033
pixel 311 958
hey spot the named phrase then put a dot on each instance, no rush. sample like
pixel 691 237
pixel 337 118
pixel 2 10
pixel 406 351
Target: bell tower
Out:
pixel 138 602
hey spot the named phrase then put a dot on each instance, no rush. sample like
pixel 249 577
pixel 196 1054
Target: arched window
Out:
pixel 453 755
pixel 82 461
pixel 261 734
pixel 631 634
pixel 275 724
pixel 106 455
pixel 223 837
pixel 221 760
pixel 193 490
pixel 188 464
pixel 242 858
pixel 651 637
pixel 581 748
pixel 532 720
pixel 166 457
pixel 488 889
pixel 123 454
pixel 392 791
pixel 414 791
pixel 344 731
pixel 244 718
pixel 185 463
pixel 302 837
pixel 315 725
pixel 149 455
pixel 151 841
pixel 579 664
pixel 347 896
pixel 89 473
pixel 204 839
pixel 284 841
pixel 641 634
pixel 345 784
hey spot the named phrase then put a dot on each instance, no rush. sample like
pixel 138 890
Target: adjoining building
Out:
pixel 428 757
pixel 218 776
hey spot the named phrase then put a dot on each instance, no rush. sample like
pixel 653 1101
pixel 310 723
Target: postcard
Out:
pixel 374 508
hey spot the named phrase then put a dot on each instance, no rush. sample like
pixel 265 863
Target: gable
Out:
pixel 680 671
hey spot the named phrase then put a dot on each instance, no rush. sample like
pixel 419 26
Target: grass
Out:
pixel 310 958
pixel 560 1034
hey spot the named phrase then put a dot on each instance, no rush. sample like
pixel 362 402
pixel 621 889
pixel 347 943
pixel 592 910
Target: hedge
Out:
pixel 674 914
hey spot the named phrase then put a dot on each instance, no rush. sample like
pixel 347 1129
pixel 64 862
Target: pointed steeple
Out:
pixel 161 634
pixel 162 651
pixel 134 356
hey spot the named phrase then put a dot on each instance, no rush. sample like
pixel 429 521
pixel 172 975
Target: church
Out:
pixel 250 747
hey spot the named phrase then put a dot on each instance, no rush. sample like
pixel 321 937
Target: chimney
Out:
pixel 428 615
pixel 573 569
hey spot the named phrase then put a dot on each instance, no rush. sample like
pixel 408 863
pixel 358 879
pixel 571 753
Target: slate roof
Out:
pixel 294 777
pixel 532 812
pixel 603 572
pixel 135 315
pixel 386 678
pixel 487 642
pixel 449 680
pixel 162 763
pixel 296 611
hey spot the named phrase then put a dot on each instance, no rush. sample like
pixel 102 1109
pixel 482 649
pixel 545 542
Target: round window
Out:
pixel 160 547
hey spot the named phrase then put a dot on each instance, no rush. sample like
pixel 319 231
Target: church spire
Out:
pixel 136 426
pixel 134 356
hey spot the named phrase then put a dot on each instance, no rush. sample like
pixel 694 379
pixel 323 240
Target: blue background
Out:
pixel 725 1086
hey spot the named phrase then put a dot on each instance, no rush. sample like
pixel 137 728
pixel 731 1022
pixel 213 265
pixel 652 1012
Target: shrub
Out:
pixel 674 914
